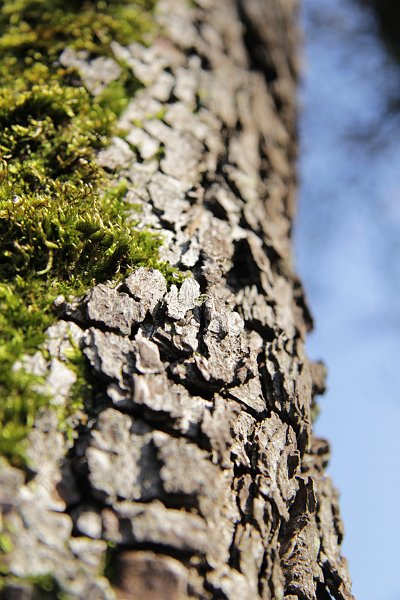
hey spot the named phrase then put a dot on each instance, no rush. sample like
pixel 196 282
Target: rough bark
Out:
pixel 197 460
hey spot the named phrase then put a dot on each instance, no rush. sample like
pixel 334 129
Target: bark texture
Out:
pixel 197 461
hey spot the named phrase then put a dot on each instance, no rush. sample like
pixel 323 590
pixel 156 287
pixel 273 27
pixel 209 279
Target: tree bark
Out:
pixel 196 466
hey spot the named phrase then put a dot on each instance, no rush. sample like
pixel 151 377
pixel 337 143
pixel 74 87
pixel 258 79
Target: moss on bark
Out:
pixel 63 220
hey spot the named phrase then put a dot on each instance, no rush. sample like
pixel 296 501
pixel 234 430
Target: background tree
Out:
pixel 388 13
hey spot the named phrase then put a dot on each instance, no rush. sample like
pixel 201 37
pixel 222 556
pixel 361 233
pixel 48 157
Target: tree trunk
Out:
pixel 196 471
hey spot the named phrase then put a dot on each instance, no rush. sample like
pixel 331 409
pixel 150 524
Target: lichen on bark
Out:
pixel 196 472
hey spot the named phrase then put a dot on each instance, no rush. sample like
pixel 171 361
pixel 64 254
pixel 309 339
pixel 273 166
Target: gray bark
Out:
pixel 196 459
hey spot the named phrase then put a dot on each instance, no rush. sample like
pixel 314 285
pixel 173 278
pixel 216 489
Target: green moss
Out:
pixel 44 587
pixel 6 544
pixel 117 94
pixel 63 220
pixel 110 566
pixel 39 30
pixel 45 583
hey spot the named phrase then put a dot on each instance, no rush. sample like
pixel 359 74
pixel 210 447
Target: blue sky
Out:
pixel 348 254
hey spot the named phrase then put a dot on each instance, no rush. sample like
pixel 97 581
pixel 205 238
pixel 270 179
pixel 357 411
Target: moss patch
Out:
pixel 59 231
pixel 43 587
